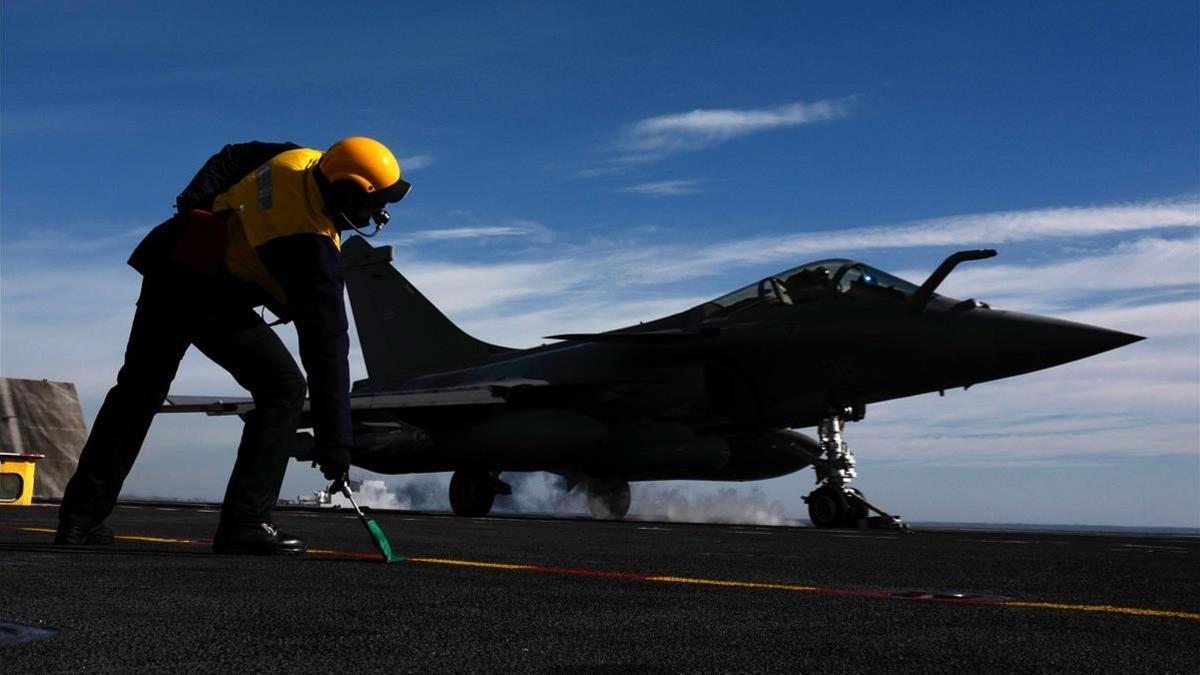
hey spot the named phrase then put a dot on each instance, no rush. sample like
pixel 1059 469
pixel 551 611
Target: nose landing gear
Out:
pixel 834 503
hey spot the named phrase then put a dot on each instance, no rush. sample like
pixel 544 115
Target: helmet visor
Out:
pixel 393 193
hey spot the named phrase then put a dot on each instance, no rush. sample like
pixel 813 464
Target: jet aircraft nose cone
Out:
pixel 1056 341
pixel 1103 339
pixel 1008 343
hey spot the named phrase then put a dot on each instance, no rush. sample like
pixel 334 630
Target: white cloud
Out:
pixel 1144 264
pixel 509 229
pixel 464 287
pixel 471 233
pixel 598 171
pixel 464 233
pixel 415 163
pixel 50 240
pixel 657 137
pixel 952 231
pixel 664 188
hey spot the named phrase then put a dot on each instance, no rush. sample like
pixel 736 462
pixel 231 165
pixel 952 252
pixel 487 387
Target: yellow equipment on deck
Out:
pixel 17 472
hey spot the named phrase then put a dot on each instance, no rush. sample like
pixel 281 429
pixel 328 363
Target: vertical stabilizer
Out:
pixel 401 332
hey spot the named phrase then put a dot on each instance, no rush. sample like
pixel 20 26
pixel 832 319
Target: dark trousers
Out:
pixel 173 312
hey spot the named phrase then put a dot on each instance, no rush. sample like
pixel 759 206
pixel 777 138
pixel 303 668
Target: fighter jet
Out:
pixel 714 392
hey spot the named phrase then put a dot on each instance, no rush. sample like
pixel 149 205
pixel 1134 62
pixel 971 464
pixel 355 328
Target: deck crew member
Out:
pixel 259 225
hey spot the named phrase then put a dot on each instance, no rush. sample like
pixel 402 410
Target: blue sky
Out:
pixel 580 166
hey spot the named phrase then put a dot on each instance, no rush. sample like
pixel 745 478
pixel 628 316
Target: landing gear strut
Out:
pixel 834 503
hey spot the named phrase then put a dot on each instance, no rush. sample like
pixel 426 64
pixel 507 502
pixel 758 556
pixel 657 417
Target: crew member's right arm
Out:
pixel 308 267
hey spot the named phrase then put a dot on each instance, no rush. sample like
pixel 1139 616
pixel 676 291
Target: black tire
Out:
pixel 608 499
pixel 826 507
pixel 471 493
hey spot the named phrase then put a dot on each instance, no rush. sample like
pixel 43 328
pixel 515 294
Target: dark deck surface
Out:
pixel 540 594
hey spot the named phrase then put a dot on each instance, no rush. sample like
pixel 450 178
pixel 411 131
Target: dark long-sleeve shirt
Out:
pixel 270 242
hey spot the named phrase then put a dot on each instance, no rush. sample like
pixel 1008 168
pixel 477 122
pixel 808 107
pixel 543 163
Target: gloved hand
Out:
pixel 334 462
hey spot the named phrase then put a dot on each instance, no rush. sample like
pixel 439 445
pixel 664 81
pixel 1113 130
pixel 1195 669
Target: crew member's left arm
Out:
pixel 308 267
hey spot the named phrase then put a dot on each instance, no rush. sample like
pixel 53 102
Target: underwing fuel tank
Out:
pixel 525 439
pixel 633 458
pixel 750 455
pixel 536 439
pixel 518 440
pixel 541 439
pixel 767 453
pixel 394 449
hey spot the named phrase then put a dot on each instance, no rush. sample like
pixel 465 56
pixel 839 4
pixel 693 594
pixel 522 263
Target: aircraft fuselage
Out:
pixel 710 393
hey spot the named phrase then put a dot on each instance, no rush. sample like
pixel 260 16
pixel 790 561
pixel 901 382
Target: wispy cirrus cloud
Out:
pixel 951 231
pixel 664 188
pixel 467 233
pixel 664 135
pixel 514 228
pixel 462 287
pixel 416 162
pixel 1150 265
pixel 48 239
pixel 600 171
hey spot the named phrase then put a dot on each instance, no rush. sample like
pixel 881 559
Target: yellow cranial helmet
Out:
pixel 369 164
pixel 359 177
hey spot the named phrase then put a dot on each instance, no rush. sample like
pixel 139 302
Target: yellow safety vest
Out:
pixel 279 199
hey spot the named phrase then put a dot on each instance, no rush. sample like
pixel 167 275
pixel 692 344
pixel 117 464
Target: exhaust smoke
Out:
pixel 547 494
pixel 725 505
pixel 425 493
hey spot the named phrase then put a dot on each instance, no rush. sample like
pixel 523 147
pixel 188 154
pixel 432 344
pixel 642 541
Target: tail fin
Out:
pixel 402 333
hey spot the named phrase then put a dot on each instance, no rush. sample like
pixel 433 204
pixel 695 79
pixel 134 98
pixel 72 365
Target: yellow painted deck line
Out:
pixel 473 563
pixel 153 540
pixel 122 537
pixel 736 584
pixel 1104 609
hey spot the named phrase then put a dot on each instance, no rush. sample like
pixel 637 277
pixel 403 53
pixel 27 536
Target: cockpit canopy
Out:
pixel 823 278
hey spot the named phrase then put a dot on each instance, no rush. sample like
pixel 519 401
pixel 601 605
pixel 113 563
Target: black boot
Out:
pixel 256 539
pixel 79 534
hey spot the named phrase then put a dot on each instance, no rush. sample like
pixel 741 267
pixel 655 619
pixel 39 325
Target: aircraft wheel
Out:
pixel 826 508
pixel 472 493
pixel 608 499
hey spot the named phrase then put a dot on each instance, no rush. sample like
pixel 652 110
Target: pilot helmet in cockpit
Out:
pixel 809 283
pixel 816 277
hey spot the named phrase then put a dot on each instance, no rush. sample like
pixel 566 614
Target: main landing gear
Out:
pixel 472 491
pixel 834 503
pixel 608 498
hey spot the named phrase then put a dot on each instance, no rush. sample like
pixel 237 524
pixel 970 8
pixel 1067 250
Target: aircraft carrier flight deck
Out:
pixel 541 594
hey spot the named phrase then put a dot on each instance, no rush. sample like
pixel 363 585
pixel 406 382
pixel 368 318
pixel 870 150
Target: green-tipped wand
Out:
pixel 377 536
